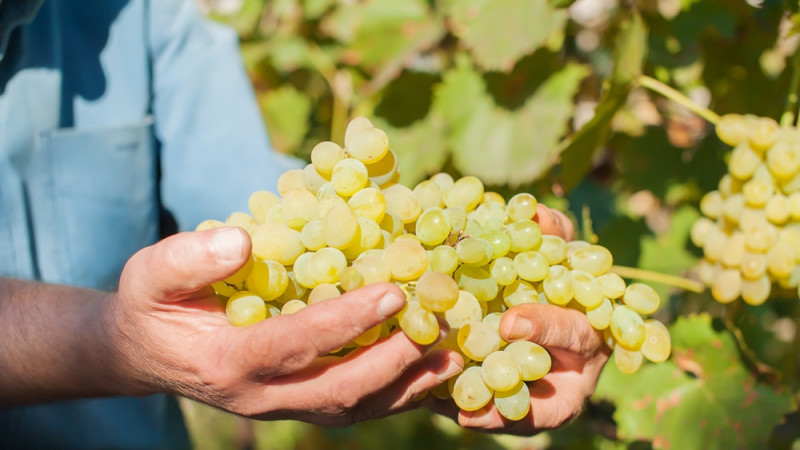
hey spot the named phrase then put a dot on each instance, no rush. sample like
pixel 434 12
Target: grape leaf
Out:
pixel 421 148
pixel 286 111
pixel 505 146
pixel 576 152
pixel 703 397
pixel 499 32
pixel 379 32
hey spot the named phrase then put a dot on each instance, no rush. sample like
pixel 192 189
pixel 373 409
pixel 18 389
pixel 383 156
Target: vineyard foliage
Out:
pixel 546 97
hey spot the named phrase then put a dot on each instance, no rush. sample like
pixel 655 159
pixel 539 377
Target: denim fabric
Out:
pixel 111 112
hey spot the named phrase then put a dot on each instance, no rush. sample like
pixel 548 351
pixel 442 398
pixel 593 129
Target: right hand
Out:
pixel 169 332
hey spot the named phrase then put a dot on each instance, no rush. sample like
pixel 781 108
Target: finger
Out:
pixel 554 222
pixel 295 340
pixel 434 369
pixel 187 262
pixel 551 327
pixel 330 391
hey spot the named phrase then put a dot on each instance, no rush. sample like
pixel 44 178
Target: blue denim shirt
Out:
pixel 111 112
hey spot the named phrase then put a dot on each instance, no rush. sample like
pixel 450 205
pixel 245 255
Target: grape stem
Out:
pixel 657 277
pixel 679 98
pixel 789 113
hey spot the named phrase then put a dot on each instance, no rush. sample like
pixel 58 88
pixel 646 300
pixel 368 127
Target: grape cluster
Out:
pixel 750 228
pixel 461 255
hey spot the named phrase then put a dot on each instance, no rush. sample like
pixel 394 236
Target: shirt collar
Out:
pixel 12 14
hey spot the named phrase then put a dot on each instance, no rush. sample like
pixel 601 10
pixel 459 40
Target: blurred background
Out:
pixel 545 96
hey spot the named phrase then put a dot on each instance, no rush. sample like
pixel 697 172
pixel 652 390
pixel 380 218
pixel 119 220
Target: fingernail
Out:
pixel 390 304
pixel 521 329
pixel 228 244
pixel 453 368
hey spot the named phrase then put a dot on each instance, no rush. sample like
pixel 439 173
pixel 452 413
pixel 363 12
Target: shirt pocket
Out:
pixel 100 189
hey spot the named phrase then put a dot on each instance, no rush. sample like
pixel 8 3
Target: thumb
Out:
pixel 187 262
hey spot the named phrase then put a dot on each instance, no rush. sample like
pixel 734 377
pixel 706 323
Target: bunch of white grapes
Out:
pixel 461 255
pixel 750 229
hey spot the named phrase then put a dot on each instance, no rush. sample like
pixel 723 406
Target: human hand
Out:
pixel 552 221
pixel 170 333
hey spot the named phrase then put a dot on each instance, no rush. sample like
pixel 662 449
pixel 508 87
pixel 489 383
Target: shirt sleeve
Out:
pixel 214 147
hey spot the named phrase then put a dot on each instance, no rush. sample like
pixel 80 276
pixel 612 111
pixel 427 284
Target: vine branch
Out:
pixel 657 277
pixel 678 97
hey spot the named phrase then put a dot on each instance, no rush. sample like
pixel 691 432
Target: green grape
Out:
pixel 457 216
pixel 226 289
pixel 554 249
pixel 369 337
pixel 209 224
pixel 763 133
pixel 777 209
pixel 351 279
pixel 627 327
pixel 311 235
pixel 268 279
pixel 499 240
pixel 429 194
pixel 780 261
pixel 277 242
pixel 290 180
pixel 368 203
pixel 521 206
pixel 355 126
pixel 711 204
pixel 444 180
pixel 757 191
pixel 326 264
pixel 699 231
pixel 325 156
pixel 477 340
pixel 322 292
pixel 594 259
pixel 392 224
pixel 245 308
pixel 348 176
pixel 340 227
pixel 294 290
pixel 368 145
pixel 466 192
pixel 493 320
pixel 384 170
pixel 732 207
pixel 744 161
pixel 734 250
pixel 418 323
pixel 299 207
pixel 600 316
pixel 753 265
pixel 467 309
pixel 756 291
pixel 407 260
pixel 515 403
pixel 733 129
pixel 402 202
pixel 242 220
pixel 558 285
pixel 474 251
pixel 313 180
pixel 716 243
pixel 727 285
pixel 760 237
pixel 531 266
pixel 657 344
pixel 519 292
pixel 478 281
pixel 373 269
pixel 500 371
pixel 302 271
pixel 433 226
pixel 260 202
pixel 503 271
pixel 292 306
pixel 437 291
pixel 612 285
pixel 586 289
pixel 783 160
pixel 641 298
pixel 627 361
pixel 533 359
pixel 525 235
pixel 469 392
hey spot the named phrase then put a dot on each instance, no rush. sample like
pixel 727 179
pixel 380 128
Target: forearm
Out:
pixel 53 344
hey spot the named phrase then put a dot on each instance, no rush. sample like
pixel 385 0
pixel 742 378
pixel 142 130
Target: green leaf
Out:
pixel 577 151
pixel 502 146
pixel 703 397
pixel 286 112
pixel 380 32
pixel 500 32
pixel 421 148
pixel 314 9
